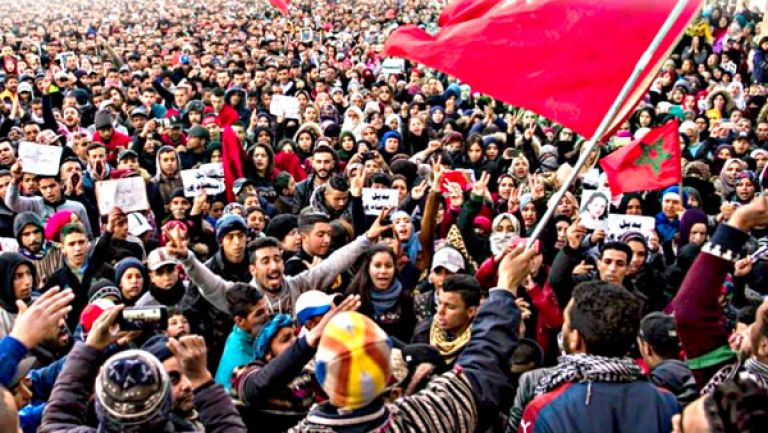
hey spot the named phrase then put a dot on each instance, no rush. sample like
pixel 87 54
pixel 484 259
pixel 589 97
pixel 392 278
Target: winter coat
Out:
pixel 699 317
pixel 675 376
pixel 44 209
pixel 238 351
pixel 9 262
pixel 466 399
pixel 66 411
pixel 601 407
pixel 66 279
pixel 213 287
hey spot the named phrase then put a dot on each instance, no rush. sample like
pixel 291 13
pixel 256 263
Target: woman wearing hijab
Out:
pixel 729 176
pixel 353 121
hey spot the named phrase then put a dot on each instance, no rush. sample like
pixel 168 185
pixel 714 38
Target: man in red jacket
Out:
pixel 106 134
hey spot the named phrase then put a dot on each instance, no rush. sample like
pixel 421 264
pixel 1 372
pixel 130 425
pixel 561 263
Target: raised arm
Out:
pixel 696 307
pixel 211 286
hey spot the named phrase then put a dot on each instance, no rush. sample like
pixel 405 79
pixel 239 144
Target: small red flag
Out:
pixel 280 4
pixel 648 163
pixel 232 155
pixel 564 59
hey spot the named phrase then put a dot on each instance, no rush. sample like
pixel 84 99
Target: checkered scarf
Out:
pixel 582 367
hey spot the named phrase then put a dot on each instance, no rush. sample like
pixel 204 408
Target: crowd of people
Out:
pixel 285 301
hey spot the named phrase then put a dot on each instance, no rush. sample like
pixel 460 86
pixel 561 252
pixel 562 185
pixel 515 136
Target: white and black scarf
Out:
pixel 582 367
pixel 752 368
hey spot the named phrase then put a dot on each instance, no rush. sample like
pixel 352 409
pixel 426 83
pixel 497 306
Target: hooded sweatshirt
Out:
pixel 9 262
pixel 167 184
pixel 49 258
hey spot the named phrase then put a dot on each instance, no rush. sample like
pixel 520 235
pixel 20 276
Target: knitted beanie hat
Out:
pixel 268 332
pixel 229 223
pixel 56 222
pixel 281 225
pixel 353 360
pixel 132 389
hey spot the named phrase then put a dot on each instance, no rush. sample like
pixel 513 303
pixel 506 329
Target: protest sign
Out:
pixel 618 224
pixel 284 105
pixel 374 200
pixel 392 66
pixel 129 194
pixel 594 208
pixel 39 158
pixel 209 177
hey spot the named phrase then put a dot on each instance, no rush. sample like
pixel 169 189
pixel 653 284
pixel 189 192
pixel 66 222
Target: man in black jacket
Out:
pixel 133 390
pixel 324 161
pixel 79 270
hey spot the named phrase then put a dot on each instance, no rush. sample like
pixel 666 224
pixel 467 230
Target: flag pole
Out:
pixel 641 65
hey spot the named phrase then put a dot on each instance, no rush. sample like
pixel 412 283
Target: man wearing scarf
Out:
pixel 44 254
pixel 587 389
pixel 449 329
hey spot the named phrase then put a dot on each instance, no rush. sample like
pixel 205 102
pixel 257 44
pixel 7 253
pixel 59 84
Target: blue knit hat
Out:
pixel 229 223
pixel 127 263
pixel 268 332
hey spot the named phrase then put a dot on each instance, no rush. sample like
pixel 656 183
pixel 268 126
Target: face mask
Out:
pixel 499 241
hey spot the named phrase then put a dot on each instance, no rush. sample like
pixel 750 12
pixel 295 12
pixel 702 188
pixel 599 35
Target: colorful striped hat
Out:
pixel 353 360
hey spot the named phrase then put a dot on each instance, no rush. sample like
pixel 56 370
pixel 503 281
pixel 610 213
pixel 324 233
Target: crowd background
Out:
pixel 290 307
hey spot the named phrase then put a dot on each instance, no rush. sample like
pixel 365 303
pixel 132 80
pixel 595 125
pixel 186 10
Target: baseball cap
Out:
pixel 658 329
pixel 311 304
pixel 128 153
pixel 137 224
pixel 22 370
pixel 159 258
pixel 448 258
pixel 139 111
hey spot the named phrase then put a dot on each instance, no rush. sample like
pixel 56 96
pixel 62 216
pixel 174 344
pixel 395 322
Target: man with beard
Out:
pixel 71 120
pixel 332 199
pixel 267 269
pixel 183 414
pixel 600 323
pixel 323 165
pixel 315 231
pixel 45 255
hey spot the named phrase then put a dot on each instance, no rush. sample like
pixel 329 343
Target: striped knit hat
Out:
pixel 353 360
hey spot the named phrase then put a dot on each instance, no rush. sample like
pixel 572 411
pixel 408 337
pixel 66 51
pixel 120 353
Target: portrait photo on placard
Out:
pixel 594 208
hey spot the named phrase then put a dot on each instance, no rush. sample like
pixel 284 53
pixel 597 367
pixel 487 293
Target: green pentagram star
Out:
pixel 654 155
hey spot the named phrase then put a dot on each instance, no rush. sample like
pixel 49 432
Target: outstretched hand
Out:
pixel 378 227
pixel 514 267
pixel 350 303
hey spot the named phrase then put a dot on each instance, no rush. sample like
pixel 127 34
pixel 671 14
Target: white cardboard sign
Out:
pixel 284 105
pixel 618 224
pixel 129 194
pixel 209 177
pixel 374 200
pixel 40 158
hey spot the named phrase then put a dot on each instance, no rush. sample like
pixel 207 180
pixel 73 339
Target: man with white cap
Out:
pixel 165 288
pixel 446 261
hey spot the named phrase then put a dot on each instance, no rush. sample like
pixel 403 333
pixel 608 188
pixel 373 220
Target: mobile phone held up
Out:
pixel 143 318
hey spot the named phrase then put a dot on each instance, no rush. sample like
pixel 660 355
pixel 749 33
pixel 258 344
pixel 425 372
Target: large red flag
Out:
pixel 565 59
pixel 280 4
pixel 648 163
pixel 232 155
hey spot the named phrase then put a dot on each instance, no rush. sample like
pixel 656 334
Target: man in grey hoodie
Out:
pixel 267 269
pixel 50 201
